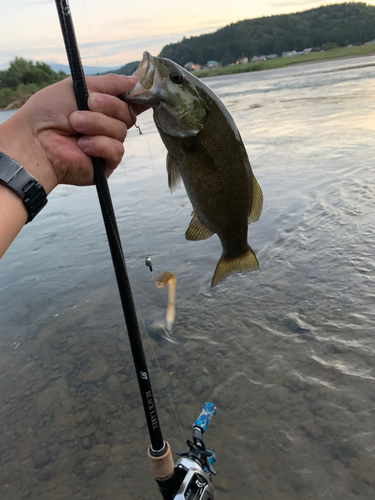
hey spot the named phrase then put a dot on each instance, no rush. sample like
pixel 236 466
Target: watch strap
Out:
pixel 16 178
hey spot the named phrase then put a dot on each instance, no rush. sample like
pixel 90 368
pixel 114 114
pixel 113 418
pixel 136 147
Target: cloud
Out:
pixel 124 50
pixel 144 26
pixel 296 3
pixel 36 2
pixel 125 43
pixel 33 53
pixel 103 52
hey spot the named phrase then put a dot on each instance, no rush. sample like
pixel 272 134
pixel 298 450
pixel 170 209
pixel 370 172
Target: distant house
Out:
pixel 271 56
pixel 190 66
pixel 307 51
pixel 289 53
pixel 258 58
pixel 213 64
pixel 243 60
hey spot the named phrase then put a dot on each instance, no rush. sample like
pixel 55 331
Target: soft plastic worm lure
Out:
pixel 167 277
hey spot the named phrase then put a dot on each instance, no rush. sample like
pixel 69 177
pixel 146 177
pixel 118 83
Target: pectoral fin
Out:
pixel 245 262
pixel 197 231
pixel 174 178
pixel 257 204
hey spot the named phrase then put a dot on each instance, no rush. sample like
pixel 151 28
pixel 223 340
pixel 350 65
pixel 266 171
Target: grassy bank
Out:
pixel 282 62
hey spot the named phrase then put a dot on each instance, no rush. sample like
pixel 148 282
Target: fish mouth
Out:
pixel 146 66
pixel 148 78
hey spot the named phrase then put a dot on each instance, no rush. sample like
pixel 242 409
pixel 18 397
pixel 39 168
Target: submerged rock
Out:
pixel 98 371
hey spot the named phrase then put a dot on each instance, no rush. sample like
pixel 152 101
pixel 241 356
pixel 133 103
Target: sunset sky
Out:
pixel 113 32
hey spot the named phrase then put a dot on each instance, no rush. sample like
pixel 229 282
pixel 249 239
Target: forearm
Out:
pixel 54 142
pixel 16 142
pixel 13 217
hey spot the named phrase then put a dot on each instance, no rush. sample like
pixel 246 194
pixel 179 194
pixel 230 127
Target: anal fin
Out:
pixel 240 264
pixel 197 231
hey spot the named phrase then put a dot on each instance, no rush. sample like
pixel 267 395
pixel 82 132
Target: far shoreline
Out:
pixel 291 66
pixel 275 64
pixel 281 63
pixel 304 63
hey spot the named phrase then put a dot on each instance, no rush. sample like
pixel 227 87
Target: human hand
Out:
pixel 54 141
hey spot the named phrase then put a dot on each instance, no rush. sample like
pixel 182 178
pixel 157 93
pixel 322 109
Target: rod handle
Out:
pixel 207 412
pixel 162 467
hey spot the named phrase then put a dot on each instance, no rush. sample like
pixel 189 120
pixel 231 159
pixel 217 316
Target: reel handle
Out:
pixel 207 412
pixel 211 459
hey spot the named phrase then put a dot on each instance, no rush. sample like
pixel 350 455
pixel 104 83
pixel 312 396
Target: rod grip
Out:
pixel 161 467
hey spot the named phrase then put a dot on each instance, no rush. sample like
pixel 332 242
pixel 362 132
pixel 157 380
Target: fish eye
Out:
pixel 176 78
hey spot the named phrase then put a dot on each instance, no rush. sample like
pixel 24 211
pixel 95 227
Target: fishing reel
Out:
pixel 194 470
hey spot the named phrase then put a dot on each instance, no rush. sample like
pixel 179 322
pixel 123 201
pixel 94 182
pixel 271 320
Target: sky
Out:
pixel 111 33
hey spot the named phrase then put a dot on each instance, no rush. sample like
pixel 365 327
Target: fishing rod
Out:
pixel 191 477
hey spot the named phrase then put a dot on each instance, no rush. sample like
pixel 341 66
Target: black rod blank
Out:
pixel 81 93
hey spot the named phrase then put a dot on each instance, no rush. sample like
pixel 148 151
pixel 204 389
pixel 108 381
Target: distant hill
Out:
pixel 128 69
pixel 343 24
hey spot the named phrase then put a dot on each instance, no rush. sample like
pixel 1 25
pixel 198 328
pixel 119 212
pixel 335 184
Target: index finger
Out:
pixel 110 84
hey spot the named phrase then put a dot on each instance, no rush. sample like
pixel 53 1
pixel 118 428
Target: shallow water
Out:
pixel 286 353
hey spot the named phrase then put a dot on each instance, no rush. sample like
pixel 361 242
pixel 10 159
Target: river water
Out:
pixel 286 353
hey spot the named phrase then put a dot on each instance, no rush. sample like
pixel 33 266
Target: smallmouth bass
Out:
pixel 206 151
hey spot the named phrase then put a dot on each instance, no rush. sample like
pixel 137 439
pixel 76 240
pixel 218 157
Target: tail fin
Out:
pixel 225 266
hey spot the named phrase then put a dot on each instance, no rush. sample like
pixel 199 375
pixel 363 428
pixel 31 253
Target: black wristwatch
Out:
pixel 15 177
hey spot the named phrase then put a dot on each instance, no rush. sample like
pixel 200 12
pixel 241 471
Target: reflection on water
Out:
pixel 287 353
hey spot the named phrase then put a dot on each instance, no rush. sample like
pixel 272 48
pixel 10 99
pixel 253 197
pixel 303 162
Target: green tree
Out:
pixel 227 58
pixel 25 72
pixel 23 78
pixel 343 24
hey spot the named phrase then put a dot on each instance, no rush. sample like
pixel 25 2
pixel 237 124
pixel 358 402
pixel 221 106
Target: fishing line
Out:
pixel 159 368
pixel 101 74
pixel 93 44
pixel 140 315
pixel 152 161
pixel 134 118
pixel 152 347
pixel 90 33
pixel 118 242
pixel 131 111
pixel 197 458
pixel 158 446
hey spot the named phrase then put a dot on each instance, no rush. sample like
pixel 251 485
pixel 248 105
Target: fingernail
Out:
pixel 79 119
pixel 98 100
pixel 133 79
pixel 83 142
